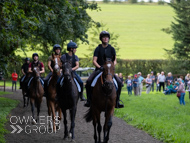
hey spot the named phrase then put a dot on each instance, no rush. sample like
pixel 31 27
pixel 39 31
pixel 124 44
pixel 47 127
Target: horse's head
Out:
pixel 36 72
pixel 67 69
pixel 56 64
pixel 107 75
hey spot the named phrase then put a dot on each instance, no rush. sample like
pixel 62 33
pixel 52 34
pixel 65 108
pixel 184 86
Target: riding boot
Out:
pixel 88 93
pixel 118 104
pixel 81 97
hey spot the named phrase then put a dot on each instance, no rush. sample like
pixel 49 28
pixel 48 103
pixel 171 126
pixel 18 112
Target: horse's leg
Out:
pixel 32 108
pixel 24 98
pixel 59 118
pixel 49 112
pixel 38 103
pixel 94 124
pixel 28 101
pixel 108 124
pixel 65 123
pixel 52 106
pixel 72 115
pixel 99 127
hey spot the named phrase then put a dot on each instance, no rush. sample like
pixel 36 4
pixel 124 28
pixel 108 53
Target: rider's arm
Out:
pixel 30 70
pixel 43 70
pixel 115 61
pixel 76 67
pixel 23 72
pixel 49 66
pixel 95 62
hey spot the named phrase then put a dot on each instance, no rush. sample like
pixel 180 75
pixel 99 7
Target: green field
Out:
pixel 139 27
pixel 159 115
pixel 6 105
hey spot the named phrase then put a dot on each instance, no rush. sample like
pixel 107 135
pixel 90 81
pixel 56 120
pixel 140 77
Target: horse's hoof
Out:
pixel 70 135
pixel 72 140
pixel 34 122
pixel 65 138
pixel 24 106
pixel 58 127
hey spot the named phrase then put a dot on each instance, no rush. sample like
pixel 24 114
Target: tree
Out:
pixel 180 29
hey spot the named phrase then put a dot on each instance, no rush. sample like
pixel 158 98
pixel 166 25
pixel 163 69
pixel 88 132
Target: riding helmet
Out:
pixel 35 54
pixel 56 46
pixel 104 33
pixel 70 45
pixel 27 59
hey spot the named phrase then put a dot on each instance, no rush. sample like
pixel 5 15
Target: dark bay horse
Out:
pixel 51 91
pixel 103 100
pixel 24 90
pixel 36 92
pixel 68 98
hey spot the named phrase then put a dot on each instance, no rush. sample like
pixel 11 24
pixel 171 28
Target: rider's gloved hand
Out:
pixel 101 68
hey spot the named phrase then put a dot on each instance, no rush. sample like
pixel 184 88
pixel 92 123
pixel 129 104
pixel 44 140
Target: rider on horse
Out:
pixel 24 70
pixel 71 48
pixel 57 51
pixel 98 60
pixel 35 63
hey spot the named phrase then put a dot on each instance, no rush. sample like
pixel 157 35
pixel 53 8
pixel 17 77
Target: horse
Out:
pixel 51 91
pixel 68 98
pixel 103 100
pixel 24 91
pixel 36 92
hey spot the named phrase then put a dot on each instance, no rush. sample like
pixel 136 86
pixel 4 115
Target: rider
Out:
pixel 57 51
pixel 24 70
pixel 107 50
pixel 35 63
pixel 72 48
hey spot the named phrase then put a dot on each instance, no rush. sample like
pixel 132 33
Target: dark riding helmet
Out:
pixel 70 45
pixel 35 54
pixel 56 46
pixel 27 59
pixel 104 33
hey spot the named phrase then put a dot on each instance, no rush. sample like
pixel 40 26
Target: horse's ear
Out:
pixel 104 58
pixel 113 58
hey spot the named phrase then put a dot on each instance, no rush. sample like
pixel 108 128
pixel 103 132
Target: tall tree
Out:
pixel 180 29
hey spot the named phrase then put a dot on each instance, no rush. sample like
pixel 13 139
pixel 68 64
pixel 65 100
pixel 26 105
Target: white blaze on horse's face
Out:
pixel 56 64
pixel 35 68
pixel 108 65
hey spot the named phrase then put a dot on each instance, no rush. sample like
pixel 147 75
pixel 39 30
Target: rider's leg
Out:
pixel 89 88
pixel 81 86
pixel 119 83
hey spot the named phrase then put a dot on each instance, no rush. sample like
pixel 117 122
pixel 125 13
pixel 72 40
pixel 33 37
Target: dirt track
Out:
pixel 120 131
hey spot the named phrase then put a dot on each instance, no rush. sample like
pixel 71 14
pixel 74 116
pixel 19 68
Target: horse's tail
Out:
pixel 88 115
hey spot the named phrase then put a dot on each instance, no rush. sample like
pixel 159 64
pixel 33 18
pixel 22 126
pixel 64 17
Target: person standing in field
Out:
pixel 121 78
pixel 148 84
pixel 157 82
pixel 136 85
pixel 161 81
pixel 153 80
pixel 14 79
pixel 129 85
pixel 186 80
pixel 141 79
pixel 169 79
pixel 181 90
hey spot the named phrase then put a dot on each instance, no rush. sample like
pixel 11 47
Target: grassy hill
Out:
pixel 139 27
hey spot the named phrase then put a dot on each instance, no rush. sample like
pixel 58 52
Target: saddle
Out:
pixel 41 80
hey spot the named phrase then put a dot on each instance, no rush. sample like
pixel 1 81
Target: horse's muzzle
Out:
pixel 107 87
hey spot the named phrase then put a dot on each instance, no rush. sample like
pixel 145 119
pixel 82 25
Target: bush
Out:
pixel 161 2
pixel 106 1
pixel 133 1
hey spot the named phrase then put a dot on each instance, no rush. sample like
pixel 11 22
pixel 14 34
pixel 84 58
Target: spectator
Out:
pixel 157 83
pixel 169 78
pixel 188 87
pixel 116 74
pixel 169 88
pixel 153 80
pixel 181 90
pixel 186 80
pixel 129 85
pixel 175 87
pixel 121 78
pixel 182 79
pixel 14 79
pixel 141 79
pixel 161 80
pixel 136 85
pixel 148 84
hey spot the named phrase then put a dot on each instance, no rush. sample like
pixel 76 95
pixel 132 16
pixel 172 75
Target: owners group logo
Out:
pixel 28 125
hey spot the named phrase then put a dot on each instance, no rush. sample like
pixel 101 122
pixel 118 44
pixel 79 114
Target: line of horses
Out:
pixel 65 97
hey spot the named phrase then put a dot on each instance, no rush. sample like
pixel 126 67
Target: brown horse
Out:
pixel 24 90
pixel 51 91
pixel 36 92
pixel 68 98
pixel 103 100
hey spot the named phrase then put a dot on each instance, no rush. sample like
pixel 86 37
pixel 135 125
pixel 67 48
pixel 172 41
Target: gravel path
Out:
pixel 120 131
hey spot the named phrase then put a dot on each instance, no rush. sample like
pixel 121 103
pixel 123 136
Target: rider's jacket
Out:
pixel 67 57
pixel 38 64
pixel 25 67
